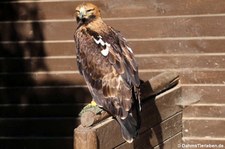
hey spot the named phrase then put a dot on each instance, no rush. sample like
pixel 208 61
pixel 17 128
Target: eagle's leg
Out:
pixel 92 107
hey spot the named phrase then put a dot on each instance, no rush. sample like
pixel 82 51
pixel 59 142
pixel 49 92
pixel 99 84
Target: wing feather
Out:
pixel 76 39
pixel 125 56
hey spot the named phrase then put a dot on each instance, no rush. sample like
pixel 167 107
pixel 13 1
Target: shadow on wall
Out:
pixel 150 131
pixel 32 114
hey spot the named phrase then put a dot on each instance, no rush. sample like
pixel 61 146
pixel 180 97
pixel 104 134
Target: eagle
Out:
pixel 109 68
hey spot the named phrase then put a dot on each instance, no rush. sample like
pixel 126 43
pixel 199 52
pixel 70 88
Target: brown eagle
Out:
pixel 108 67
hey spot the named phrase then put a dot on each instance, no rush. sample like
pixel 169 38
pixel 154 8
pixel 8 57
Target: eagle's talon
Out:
pixel 93 107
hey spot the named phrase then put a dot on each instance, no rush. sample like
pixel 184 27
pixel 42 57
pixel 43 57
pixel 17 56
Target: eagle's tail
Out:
pixel 129 127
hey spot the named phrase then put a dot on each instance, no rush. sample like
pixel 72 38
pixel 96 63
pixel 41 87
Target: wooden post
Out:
pixel 161 119
pixel 85 138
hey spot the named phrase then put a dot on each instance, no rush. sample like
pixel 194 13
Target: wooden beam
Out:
pixel 150 138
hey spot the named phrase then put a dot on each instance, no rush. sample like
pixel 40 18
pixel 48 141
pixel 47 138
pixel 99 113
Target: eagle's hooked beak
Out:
pixel 82 14
pixel 81 17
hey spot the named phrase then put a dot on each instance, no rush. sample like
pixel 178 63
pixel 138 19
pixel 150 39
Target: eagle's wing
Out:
pixel 122 58
pixel 78 56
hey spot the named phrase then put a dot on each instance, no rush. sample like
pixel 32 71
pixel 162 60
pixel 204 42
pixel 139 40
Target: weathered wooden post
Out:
pixel 161 120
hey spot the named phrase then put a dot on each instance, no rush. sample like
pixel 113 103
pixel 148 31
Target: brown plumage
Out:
pixel 108 67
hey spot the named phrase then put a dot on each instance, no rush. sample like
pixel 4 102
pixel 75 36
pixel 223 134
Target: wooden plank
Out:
pixel 50 10
pixel 37 127
pixel 150 139
pixel 202 77
pixel 204 128
pixel 139 47
pixel 130 28
pixel 211 94
pixel 163 46
pixel 162 132
pixel 159 109
pixel 36 143
pixel 41 79
pixel 184 62
pixel 73 78
pixel 39 110
pixel 25 50
pixel 45 95
pixel 210 110
pixel 22 65
pixel 195 76
pixel 169 27
pixel 110 129
pixel 171 143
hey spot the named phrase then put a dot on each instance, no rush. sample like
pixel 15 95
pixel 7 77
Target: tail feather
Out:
pixel 129 128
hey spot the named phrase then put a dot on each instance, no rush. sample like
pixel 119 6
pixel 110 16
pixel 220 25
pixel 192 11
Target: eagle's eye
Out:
pixel 77 11
pixel 89 10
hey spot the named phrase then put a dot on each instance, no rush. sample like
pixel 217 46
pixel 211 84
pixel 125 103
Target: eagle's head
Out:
pixel 86 13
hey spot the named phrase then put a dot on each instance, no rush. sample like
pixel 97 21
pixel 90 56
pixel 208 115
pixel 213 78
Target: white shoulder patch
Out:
pixel 105 51
pixel 99 41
